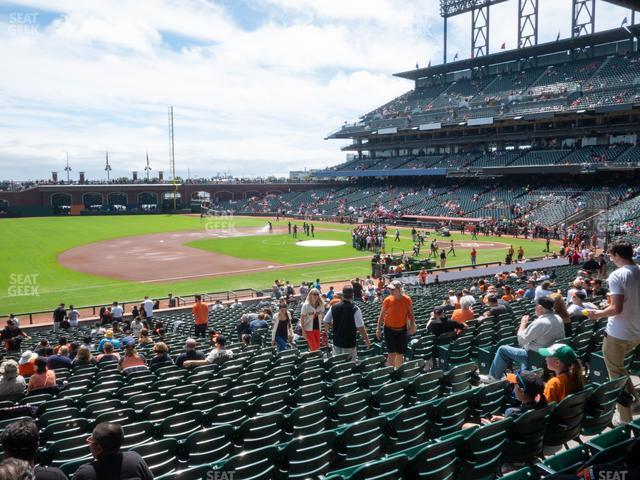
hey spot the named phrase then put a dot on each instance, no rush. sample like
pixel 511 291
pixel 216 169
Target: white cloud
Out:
pixel 100 77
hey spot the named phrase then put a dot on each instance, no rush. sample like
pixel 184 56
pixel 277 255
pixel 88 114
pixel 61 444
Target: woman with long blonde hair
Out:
pixel 560 309
pixel 310 318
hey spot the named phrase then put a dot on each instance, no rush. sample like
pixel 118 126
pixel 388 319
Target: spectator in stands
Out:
pixel 591 265
pixel 508 296
pixel 144 337
pixel 97 330
pixel 494 309
pixel 172 301
pixel 59 360
pixel 109 462
pixel 190 353
pixel 282 330
pixel 598 290
pixel 200 311
pixel 43 378
pixel 73 317
pixel 530 292
pixel 560 309
pixel 311 313
pixel 147 307
pixel 132 361
pixel 136 326
pixel 27 363
pixel 84 357
pixel 345 320
pixel 117 312
pixel 62 342
pixel 59 314
pixel 399 322
pixel 108 337
pixel 20 442
pixel 86 342
pixel 236 303
pixel 623 325
pixel 541 332
pixel 579 304
pixel 464 313
pixel 569 375
pixel 543 290
pixel 13 336
pixel 12 385
pixel 576 286
pixel 439 323
pixel 16 469
pixel 218 354
pixel 528 389
pixel 44 348
pixel 218 305
pixel 162 356
pixel 108 355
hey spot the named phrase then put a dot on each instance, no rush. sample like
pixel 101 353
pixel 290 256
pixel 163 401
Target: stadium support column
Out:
pixel 480 31
pixel 445 40
pixel 583 17
pixel 527 23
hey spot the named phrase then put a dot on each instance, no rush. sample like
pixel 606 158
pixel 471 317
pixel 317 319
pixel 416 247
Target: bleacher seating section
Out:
pixel 297 414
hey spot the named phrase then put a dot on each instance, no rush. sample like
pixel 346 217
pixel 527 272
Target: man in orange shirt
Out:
pixel 200 313
pixel 399 322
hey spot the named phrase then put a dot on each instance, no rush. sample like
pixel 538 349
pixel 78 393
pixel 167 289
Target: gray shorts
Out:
pixel 353 352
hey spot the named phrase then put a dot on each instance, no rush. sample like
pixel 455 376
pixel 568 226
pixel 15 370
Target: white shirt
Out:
pixel 307 313
pixel 577 309
pixel 116 311
pixel 626 281
pixel 148 307
pixel 215 353
pixel 73 317
pixel 136 328
pixel 540 292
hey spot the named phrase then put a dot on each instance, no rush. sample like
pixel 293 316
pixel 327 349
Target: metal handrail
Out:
pixel 184 299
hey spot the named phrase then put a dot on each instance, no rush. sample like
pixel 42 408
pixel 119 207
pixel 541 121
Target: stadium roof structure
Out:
pixel 631 4
pixel 570 44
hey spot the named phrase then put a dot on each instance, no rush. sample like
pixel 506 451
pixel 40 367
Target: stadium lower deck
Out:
pixel 296 414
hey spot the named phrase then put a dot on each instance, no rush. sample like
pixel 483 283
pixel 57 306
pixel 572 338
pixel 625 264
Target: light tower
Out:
pixel 148 167
pixel 67 169
pixel 172 157
pixel 107 167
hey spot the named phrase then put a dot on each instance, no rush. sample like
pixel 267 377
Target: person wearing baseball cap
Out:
pixel 569 375
pixel 397 315
pixel 543 331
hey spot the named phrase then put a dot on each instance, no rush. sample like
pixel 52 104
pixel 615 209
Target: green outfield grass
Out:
pixel 30 246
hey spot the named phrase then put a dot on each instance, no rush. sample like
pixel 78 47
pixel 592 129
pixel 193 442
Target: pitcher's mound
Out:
pixel 320 243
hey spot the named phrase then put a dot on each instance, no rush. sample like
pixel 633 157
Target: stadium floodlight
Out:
pixel 581 111
pixel 450 8
pixel 462 123
pixel 519 117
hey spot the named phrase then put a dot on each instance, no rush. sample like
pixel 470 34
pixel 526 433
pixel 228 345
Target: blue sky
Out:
pixel 256 85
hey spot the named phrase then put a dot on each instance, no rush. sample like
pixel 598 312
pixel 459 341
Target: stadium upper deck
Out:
pixel 583 91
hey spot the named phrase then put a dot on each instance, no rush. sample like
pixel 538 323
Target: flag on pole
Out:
pixel 558 37
pixel 429 63
pixel 503 46
pixel 625 21
pixel 417 66
pixel 455 57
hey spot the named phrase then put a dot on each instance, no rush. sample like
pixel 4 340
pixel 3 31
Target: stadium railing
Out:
pixel 181 301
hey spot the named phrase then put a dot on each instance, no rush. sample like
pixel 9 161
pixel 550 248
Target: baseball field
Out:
pixel 97 259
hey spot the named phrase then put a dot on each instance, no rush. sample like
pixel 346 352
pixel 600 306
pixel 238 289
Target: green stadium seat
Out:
pixel 250 465
pixel 308 419
pixel 160 456
pixel 566 419
pixel 361 442
pixel 209 445
pixel 307 456
pixel 407 428
pixel 391 468
pixel 601 406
